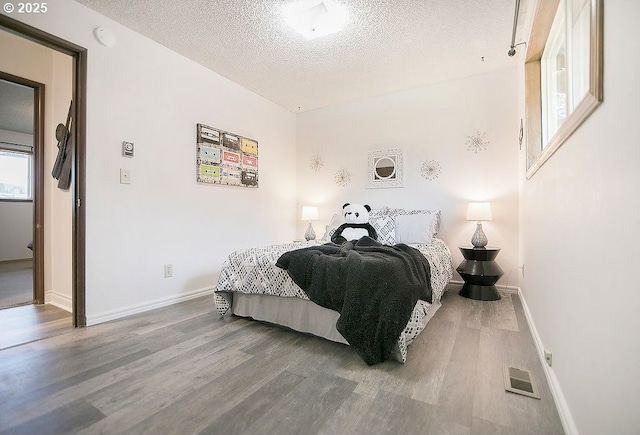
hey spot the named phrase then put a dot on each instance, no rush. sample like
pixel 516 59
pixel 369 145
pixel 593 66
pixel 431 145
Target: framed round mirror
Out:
pixel 385 168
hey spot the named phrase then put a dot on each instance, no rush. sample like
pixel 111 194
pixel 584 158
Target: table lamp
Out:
pixel 309 213
pixel 479 211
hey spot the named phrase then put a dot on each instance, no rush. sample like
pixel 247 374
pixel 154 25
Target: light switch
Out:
pixel 125 176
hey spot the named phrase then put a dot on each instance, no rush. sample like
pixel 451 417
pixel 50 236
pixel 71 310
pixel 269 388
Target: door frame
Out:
pixel 77 189
pixel 38 181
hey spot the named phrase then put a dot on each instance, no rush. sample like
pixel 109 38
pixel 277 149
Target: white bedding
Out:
pixel 253 272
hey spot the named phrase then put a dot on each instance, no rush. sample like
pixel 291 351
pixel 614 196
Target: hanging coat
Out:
pixel 62 167
pixel 65 171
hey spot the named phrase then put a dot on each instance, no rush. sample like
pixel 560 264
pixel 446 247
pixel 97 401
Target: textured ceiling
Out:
pixel 16 107
pixel 387 45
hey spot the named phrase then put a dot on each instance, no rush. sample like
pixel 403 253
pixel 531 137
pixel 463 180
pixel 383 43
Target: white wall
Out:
pixel 17 228
pixel 580 214
pixel 16 218
pixel 430 123
pixel 58 207
pixel 142 92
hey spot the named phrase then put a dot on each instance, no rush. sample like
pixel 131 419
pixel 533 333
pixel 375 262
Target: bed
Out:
pixel 252 285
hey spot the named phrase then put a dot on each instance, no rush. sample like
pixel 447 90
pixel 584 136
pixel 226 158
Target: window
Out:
pixel 554 79
pixel 16 173
pixel 563 74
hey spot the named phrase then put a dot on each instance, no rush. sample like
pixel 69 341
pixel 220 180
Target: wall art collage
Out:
pixel 225 158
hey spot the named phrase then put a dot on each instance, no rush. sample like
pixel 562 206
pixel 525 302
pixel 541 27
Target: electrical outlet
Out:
pixel 168 270
pixel 548 357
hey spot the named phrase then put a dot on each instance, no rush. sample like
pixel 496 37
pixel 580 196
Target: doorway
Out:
pixel 21 152
pixel 77 187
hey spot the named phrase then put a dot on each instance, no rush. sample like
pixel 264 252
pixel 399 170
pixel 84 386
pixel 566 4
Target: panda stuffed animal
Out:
pixel 356 224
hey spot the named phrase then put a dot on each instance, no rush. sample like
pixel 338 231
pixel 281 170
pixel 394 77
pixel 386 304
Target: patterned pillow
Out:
pixel 385 227
pixel 378 212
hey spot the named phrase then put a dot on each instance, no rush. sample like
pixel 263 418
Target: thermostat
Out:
pixel 127 149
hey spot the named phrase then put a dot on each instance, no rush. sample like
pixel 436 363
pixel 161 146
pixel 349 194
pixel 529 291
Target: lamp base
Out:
pixel 479 239
pixel 310 234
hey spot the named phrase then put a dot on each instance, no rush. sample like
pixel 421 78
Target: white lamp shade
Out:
pixel 309 213
pixel 479 211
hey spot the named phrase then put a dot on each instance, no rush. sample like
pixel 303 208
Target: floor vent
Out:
pixel 520 382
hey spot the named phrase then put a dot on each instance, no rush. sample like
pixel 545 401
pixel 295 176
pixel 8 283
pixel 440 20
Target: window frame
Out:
pixel 538 152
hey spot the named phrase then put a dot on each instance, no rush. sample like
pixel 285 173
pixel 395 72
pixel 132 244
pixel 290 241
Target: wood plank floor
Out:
pixel 16 283
pixel 27 323
pixel 183 369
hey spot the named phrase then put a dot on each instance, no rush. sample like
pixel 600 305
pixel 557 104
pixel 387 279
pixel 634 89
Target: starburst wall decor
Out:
pixel 477 142
pixel 342 177
pixel 317 163
pixel 430 170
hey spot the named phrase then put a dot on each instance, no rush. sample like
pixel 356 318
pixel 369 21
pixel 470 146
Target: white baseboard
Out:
pixel 59 300
pixel 16 260
pixel 566 418
pixel 147 306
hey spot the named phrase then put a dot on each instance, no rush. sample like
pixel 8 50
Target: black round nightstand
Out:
pixel 480 273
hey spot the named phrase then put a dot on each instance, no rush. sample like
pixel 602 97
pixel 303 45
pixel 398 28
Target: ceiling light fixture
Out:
pixel 315 18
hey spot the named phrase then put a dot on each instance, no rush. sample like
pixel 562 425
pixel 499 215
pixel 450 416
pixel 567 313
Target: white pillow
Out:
pixel 414 228
pixel 435 227
pixel 336 221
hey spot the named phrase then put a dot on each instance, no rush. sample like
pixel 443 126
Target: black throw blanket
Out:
pixel 374 287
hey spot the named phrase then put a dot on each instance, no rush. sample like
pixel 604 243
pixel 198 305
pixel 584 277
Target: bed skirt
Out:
pixel 303 315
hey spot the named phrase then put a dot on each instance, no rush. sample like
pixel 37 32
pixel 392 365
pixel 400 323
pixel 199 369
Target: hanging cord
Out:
pixel 509 277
